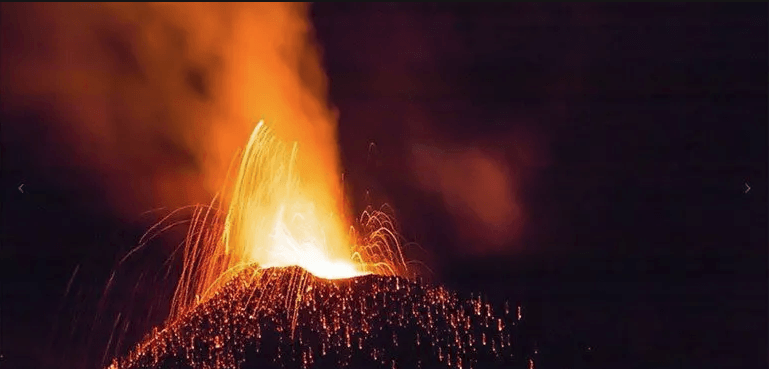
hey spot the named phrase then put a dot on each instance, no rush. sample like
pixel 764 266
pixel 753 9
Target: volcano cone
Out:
pixel 288 318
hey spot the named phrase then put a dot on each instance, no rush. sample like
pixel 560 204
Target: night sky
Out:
pixel 630 132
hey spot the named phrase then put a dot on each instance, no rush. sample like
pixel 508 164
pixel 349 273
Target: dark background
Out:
pixel 640 242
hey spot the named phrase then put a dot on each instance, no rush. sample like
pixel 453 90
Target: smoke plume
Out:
pixel 482 184
pixel 152 101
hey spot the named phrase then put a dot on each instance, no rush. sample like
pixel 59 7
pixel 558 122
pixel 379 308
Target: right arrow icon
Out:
pixel 747 187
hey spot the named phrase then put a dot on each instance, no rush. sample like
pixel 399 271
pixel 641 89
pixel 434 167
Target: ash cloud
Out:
pixel 149 103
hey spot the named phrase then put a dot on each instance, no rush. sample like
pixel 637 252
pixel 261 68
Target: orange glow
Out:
pixel 274 219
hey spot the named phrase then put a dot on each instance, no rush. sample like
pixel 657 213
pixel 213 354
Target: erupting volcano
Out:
pixel 270 284
pixel 274 273
pixel 274 220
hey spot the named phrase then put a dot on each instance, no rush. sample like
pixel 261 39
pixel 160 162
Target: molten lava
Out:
pixel 274 220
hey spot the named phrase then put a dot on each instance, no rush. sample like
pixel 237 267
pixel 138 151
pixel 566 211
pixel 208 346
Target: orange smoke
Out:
pixel 477 188
pixel 155 99
pixel 483 183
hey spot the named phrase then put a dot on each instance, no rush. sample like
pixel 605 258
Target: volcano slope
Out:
pixel 287 318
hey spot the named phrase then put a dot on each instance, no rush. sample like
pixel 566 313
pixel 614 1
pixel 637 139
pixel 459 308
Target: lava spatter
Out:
pixel 288 318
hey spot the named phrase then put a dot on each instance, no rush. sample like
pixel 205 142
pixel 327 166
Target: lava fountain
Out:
pixel 273 220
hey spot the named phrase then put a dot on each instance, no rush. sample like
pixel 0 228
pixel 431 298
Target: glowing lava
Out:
pixel 275 220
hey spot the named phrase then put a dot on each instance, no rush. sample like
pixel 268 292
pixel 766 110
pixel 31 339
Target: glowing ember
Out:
pixel 364 322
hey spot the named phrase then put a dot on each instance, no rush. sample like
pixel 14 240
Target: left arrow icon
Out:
pixel 20 186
